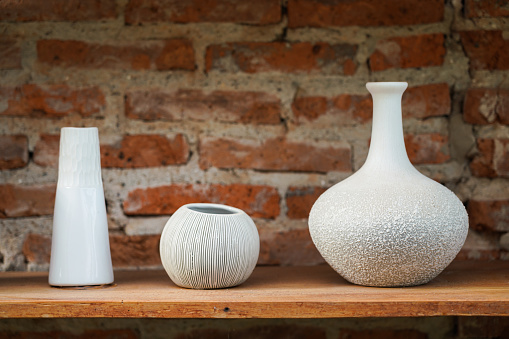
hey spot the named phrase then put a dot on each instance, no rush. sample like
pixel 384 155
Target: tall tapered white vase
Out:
pixel 387 224
pixel 80 249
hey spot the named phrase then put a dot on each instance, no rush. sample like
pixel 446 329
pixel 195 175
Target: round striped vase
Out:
pixel 207 246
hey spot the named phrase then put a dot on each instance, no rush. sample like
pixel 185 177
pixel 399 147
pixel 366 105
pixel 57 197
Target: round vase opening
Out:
pixel 211 209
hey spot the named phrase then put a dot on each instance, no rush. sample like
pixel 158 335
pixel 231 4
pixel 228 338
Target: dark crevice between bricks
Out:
pixel 284 14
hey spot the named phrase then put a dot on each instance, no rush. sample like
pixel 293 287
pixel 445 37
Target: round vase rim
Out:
pixel 231 210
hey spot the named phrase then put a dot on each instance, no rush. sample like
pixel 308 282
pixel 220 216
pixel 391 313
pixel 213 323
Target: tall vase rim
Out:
pixel 79 128
pixel 400 86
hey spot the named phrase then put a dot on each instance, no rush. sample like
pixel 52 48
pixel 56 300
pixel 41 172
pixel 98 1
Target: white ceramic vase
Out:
pixel 80 249
pixel 387 224
pixel 205 246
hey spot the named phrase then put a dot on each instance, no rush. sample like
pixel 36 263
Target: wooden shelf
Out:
pixel 465 288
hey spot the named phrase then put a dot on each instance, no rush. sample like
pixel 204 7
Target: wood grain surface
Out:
pixel 465 288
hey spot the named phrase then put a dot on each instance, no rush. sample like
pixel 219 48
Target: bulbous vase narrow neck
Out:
pixel 387 149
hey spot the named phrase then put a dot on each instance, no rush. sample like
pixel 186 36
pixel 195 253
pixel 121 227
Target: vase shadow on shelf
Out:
pixel 387 225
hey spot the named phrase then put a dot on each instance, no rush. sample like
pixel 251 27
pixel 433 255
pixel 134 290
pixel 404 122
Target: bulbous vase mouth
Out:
pixel 213 209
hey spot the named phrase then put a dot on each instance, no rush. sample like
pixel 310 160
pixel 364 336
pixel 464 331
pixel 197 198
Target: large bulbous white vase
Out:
pixel 387 224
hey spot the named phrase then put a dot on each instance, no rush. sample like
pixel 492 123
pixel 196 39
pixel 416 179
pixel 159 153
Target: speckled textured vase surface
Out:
pixel 387 224
pixel 206 246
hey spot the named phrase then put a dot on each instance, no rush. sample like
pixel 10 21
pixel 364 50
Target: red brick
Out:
pixel 257 332
pixel 56 10
pixel 140 55
pixel 492 215
pixel 426 101
pixel 299 201
pixel 288 247
pixel 346 109
pixel 257 201
pixel 37 248
pixel 26 201
pixel 97 334
pixel 273 154
pixel 52 101
pixel 483 327
pixel 407 52
pixel 317 13
pixel 298 57
pixel 135 250
pixel 135 151
pixel 486 49
pixel 10 53
pixel 46 150
pixel 486 8
pixel 13 151
pixel 492 159
pixel 132 151
pixel 427 148
pixel 259 12
pixel 382 334
pixel 190 104
pixel 486 106
pixel 418 102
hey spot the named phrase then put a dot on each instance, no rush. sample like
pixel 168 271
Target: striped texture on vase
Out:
pixel 207 246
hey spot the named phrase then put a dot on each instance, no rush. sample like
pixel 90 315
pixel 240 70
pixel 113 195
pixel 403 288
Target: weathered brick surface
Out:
pixel 135 250
pixel 46 150
pixel 426 101
pixel 298 57
pixel 418 102
pixel 52 101
pixel 486 49
pixel 247 103
pixel 346 109
pixel 175 54
pixel 260 12
pixel 55 10
pixel 37 248
pixel 486 8
pixel 135 151
pixel 427 148
pixel 491 215
pixel 407 52
pixel 257 332
pixel 257 201
pixel 316 13
pixel 299 200
pixel 492 159
pixel 274 154
pixel 26 201
pixel 287 247
pixel 190 104
pixel 486 106
pixel 92 333
pixel 132 151
pixel 13 151
pixel 10 53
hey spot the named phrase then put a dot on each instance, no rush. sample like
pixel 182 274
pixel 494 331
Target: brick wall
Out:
pixel 260 105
